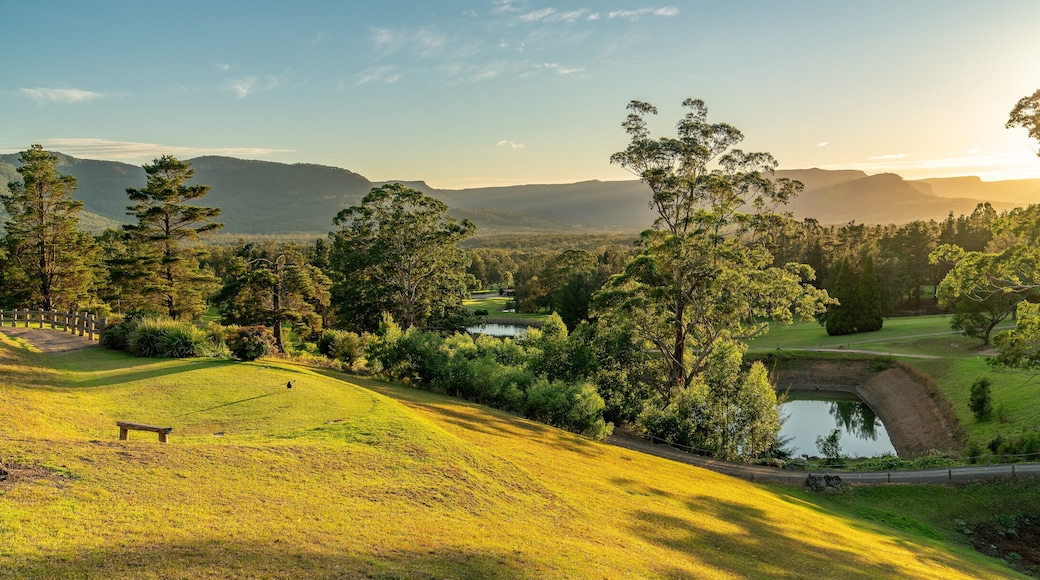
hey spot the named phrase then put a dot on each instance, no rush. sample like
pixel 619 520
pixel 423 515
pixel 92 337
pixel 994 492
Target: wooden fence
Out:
pixel 79 323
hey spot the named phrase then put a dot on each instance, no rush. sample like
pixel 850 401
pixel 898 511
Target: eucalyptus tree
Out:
pixel 704 282
pixel 397 252
pixel 161 270
pixel 47 261
pixel 704 276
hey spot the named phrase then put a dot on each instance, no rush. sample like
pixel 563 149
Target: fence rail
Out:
pixel 79 323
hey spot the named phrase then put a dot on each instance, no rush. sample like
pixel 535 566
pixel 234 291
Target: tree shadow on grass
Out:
pixel 746 540
pixel 230 559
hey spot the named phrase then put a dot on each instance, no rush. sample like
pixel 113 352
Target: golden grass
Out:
pixel 349 477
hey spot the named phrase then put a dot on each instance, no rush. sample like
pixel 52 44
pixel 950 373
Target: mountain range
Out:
pixel 263 197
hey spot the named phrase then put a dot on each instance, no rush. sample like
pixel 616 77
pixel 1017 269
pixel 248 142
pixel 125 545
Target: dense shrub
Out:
pixel 117 335
pixel 1027 444
pixel 341 345
pixel 157 337
pixel 250 342
pixel 149 338
pixel 981 399
pixel 184 340
pixel 495 372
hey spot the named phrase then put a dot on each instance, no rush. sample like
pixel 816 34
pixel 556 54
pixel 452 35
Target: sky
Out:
pixel 473 93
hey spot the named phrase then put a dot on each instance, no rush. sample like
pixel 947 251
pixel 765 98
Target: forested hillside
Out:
pixel 262 197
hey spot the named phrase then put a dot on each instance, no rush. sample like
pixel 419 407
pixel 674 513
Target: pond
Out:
pixel 498 330
pixel 812 414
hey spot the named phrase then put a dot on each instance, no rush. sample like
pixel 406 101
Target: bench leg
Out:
pixel 122 433
pixel 162 437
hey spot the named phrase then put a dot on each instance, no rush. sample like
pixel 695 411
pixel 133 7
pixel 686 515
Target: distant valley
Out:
pixel 262 197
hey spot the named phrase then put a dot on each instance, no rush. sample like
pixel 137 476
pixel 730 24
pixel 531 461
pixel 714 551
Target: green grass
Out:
pixel 930 335
pixel 495 305
pixel 350 477
pixel 939 512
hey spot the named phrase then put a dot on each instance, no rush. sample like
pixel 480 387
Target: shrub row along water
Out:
pixel 515 376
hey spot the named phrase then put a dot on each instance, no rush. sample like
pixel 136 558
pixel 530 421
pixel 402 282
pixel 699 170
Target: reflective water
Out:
pixel 812 414
pixel 498 330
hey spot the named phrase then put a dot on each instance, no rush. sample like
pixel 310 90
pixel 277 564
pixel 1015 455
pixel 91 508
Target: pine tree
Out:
pixel 841 319
pixel 868 300
pixel 47 264
pixel 164 273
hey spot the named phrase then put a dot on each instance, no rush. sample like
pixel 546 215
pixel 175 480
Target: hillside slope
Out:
pixel 331 479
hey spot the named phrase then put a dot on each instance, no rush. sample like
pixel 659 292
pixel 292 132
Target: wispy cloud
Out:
pixel 560 69
pixel 243 87
pixel 507 6
pixel 222 67
pixel 63 96
pixel 382 74
pixel 888 156
pixel 667 11
pixel 133 151
pixel 537 15
pixel 823 143
pixel 510 144
pixel 421 42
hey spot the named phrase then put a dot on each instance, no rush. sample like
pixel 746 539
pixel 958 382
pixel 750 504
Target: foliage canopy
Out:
pixel 398 252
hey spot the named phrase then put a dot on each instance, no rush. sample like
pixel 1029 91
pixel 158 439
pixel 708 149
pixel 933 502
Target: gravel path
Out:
pixel 49 340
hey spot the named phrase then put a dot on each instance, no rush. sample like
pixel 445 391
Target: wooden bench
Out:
pixel 126 426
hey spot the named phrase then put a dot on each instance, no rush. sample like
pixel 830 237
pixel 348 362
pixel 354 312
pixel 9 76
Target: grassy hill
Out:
pixel 345 477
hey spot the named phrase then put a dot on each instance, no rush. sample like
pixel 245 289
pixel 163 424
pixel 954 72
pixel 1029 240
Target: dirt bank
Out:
pixel 915 423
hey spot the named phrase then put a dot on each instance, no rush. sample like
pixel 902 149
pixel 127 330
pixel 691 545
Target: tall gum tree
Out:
pixel 704 276
pixel 47 257
pixel 163 266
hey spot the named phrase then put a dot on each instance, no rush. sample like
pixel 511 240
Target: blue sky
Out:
pixel 497 92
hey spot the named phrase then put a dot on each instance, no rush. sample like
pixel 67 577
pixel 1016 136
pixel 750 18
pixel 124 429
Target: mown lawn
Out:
pixel 350 477
pixel 496 306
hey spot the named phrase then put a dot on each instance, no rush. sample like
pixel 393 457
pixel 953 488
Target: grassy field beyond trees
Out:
pixel 349 477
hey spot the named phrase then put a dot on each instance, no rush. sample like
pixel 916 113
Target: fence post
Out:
pixel 54 320
pixel 90 327
pixel 102 327
pixel 81 323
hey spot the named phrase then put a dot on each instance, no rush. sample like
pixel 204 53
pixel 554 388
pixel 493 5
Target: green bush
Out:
pixel 981 399
pixel 341 345
pixel 149 338
pixel 250 342
pixel 184 341
pixel 116 336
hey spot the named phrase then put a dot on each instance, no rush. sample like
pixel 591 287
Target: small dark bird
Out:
pixel 288 385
